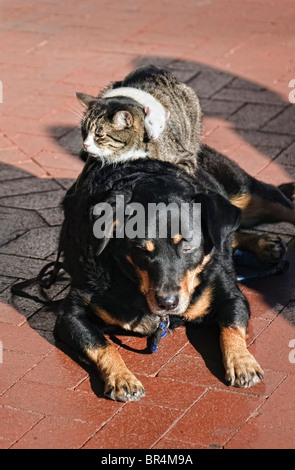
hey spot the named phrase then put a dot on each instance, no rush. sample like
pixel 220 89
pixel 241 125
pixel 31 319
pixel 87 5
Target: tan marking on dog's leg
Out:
pixel 120 383
pixel 241 368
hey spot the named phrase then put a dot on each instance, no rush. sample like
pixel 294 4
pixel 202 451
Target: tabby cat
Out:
pixel 113 128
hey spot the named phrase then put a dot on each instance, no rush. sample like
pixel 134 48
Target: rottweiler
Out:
pixel 133 283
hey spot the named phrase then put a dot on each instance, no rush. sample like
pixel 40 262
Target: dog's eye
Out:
pixel 141 247
pixel 187 248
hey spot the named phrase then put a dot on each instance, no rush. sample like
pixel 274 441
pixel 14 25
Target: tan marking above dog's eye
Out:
pixel 177 238
pixel 149 246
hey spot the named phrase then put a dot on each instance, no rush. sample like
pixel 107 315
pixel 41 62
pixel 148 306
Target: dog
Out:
pixel 133 283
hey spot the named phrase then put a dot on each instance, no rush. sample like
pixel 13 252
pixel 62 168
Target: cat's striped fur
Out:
pixel 116 124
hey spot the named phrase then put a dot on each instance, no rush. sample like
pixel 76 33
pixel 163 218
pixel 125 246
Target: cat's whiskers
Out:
pixel 76 112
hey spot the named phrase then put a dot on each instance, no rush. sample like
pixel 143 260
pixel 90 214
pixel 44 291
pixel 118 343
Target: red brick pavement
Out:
pixel 239 57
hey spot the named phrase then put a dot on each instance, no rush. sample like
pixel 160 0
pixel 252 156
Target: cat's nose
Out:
pixel 85 145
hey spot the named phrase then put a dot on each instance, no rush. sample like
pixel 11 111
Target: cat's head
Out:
pixel 112 128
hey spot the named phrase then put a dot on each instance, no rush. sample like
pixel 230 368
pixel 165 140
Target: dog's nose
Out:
pixel 167 303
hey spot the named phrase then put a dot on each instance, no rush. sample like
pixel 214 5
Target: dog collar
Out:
pixel 160 332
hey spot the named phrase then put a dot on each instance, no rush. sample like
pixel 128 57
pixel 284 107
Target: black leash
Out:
pixel 45 279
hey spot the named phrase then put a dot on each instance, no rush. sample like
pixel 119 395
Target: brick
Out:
pixel 15 423
pixel 16 266
pixel 36 243
pixel 53 216
pixel 255 436
pixel 255 116
pixel 138 361
pixel 56 160
pixel 251 160
pixel 277 413
pixel 14 366
pixel 44 200
pixel 57 433
pixel 275 174
pixel 209 82
pixel 6 282
pixel 23 339
pixel 9 314
pixel 59 370
pixel 55 401
pixel 257 96
pixel 214 418
pixel 137 426
pixel 166 443
pixel 284 122
pixel 280 332
pixel 193 371
pixel 27 186
pixel 219 108
pixel 16 222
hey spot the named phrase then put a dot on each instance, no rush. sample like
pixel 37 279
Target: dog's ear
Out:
pixel 108 218
pixel 219 216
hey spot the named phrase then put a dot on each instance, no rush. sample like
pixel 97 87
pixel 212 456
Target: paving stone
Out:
pixel 15 423
pixel 26 186
pixel 284 122
pixel 57 433
pixel 44 200
pixel 250 96
pixel 53 216
pixel 122 431
pixel 215 418
pixel 63 403
pixel 254 116
pixel 208 82
pixel 8 172
pixel 17 266
pixel 36 243
pixel 15 222
pixel 240 61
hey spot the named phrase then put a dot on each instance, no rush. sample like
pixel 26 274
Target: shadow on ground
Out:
pixel 31 214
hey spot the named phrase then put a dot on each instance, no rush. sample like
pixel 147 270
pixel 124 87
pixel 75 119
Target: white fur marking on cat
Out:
pixel 156 115
pixel 95 151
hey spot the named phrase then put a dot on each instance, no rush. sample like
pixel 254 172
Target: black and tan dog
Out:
pixel 132 283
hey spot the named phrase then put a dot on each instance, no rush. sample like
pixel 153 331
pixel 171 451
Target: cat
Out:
pixel 113 128
pixel 155 114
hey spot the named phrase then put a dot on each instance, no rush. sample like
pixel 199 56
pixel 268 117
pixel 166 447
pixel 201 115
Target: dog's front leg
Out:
pixel 241 368
pixel 75 329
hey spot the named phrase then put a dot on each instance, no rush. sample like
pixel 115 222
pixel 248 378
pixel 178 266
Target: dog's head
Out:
pixel 168 236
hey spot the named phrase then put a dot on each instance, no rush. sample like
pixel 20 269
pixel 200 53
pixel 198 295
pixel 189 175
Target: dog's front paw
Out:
pixel 242 370
pixel 124 387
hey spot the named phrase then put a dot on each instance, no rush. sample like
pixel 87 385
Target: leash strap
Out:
pixel 45 279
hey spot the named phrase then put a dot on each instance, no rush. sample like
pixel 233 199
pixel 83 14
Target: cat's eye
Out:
pixel 99 135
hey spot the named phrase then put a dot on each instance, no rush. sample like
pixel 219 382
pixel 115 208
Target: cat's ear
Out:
pixel 85 99
pixel 122 119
